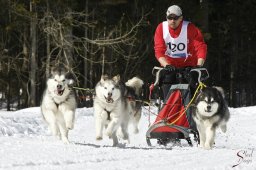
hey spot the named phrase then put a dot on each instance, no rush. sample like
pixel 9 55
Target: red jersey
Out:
pixel 196 45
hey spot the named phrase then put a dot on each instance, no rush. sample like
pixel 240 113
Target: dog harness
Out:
pixel 108 112
pixel 57 104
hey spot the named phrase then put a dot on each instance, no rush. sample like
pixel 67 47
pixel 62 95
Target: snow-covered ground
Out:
pixel 26 143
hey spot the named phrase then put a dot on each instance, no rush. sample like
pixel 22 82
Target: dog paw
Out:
pixel 207 146
pixel 98 138
pixel 201 145
pixel 109 133
pixel 125 137
pixel 58 136
pixel 115 144
pixel 223 128
pixel 70 126
pixel 65 141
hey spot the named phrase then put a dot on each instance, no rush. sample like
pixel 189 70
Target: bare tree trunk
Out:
pixel 25 66
pixel 86 47
pixel 8 76
pixel 25 50
pixel 8 97
pixel 33 61
pixel 48 50
pixel 103 55
pixel 91 57
pixel 68 44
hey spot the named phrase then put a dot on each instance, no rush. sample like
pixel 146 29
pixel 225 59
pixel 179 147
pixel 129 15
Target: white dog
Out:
pixel 59 103
pixel 114 108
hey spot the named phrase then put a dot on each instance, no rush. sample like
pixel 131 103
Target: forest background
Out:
pixel 116 37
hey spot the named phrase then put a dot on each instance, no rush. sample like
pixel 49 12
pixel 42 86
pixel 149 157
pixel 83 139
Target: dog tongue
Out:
pixel 60 92
pixel 110 100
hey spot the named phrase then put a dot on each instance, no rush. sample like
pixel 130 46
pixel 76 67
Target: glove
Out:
pixel 169 68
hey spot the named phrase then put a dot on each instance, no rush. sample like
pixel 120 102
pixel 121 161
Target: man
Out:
pixel 178 44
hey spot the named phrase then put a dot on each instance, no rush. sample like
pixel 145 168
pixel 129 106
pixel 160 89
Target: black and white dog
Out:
pixel 210 111
pixel 59 103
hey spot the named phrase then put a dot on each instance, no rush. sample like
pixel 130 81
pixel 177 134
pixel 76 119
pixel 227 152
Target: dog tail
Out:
pixel 135 83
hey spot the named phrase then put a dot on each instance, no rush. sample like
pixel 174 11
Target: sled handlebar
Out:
pixel 202 72
pixel 157 74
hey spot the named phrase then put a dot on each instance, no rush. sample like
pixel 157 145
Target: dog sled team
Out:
pixel 118 104
pixel 189 108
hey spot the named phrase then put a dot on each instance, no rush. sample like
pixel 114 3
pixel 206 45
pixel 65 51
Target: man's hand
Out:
pixel 162 61
pixel 169 68
pixel 200 62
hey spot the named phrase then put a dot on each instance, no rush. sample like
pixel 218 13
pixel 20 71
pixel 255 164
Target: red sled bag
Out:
pixel 174 120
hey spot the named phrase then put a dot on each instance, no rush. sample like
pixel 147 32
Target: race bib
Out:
pixel 176 47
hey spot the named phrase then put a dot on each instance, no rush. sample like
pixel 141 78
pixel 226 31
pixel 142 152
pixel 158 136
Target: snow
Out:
pixel 26 143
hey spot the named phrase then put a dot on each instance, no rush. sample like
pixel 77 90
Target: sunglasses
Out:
pixel 173 18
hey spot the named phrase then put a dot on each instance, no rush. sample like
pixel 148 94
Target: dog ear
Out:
pixel 104 78
pixel 199 94
pixel 52 71
pixel 71 82
pixel 116 78
pixel 58 69
pixel 221 90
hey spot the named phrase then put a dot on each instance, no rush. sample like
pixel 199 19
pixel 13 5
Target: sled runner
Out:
pixel 174 120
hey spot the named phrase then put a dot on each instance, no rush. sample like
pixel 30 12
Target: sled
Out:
pixel 174 119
